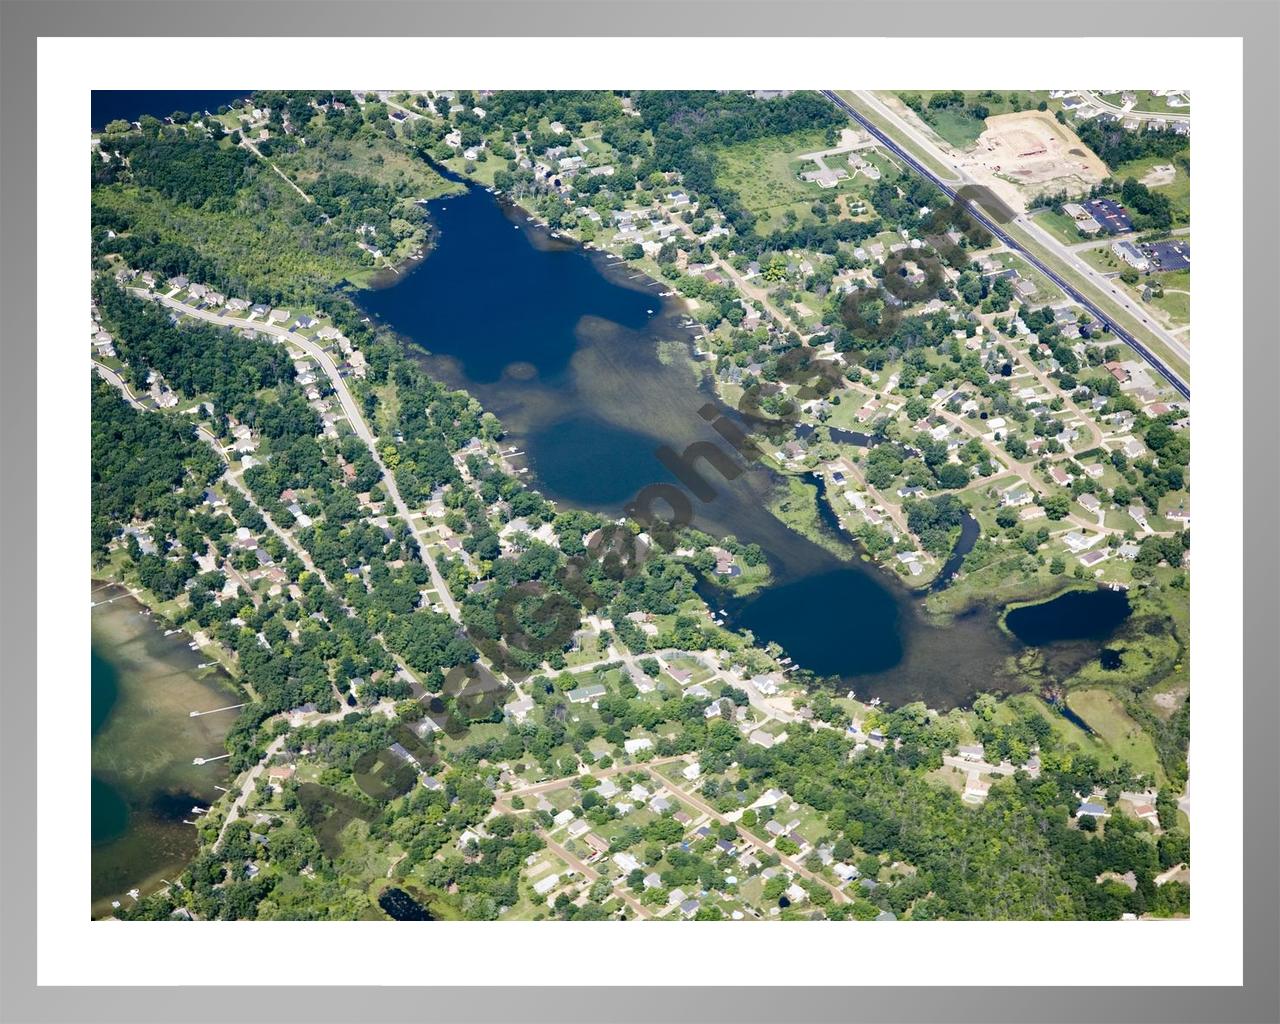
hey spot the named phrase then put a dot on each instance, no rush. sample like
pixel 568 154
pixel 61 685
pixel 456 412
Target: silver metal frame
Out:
pixel 1258 23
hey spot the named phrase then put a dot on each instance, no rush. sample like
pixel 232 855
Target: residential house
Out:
pixel 586 694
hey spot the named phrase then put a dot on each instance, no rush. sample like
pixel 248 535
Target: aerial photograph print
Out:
pixel 640 505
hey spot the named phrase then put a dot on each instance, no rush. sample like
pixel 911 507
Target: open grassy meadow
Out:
pixel 960 128
pixel 765 176
pixel 1106 716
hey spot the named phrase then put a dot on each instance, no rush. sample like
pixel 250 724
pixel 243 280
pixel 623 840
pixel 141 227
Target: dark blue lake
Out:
pixel 514 329
pixel 130 104
pixel 400 906
pixel 1076 615
pixel 591 370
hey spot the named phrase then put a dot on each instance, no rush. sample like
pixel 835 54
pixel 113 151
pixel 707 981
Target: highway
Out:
pixel 1178 384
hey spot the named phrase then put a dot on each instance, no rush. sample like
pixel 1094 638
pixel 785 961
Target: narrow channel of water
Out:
pixel 591 369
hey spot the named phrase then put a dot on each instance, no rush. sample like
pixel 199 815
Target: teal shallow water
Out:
pixel 143 785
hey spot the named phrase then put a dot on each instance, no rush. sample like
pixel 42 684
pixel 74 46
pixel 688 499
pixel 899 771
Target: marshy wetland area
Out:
pixel 592 369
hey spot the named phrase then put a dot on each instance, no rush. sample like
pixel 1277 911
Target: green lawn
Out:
pixel 1046 290
pixel 1068 733
pixel 1060 226
pixel 1178 190
pixel 1175 305
pixel 959 127
pixel 1176 301
pixel 1101 258
pixel 1146 102
pixel 1107 717
pixel 763 174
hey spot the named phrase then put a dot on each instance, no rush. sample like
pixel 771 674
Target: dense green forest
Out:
pixel 1117 145
pixel 196 359
pixel 186 199
pixel 193 171
pixel 144 466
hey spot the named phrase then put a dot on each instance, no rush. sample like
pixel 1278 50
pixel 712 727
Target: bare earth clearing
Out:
pixel 1028 153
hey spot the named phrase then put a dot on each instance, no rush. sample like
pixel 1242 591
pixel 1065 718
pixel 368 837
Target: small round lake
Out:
pixel 400 906
pixel 1075 615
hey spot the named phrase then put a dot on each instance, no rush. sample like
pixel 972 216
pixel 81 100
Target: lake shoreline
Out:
pixel 144 779
pixel 593 403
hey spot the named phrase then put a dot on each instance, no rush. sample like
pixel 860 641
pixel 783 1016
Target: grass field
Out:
pixel 1067 732
pixel 960 128
pixel 378 159
pixel 1174 307
pixel 1101 258
pixel 888 127
pixel 797 507
pixel 763 174
pixel 1060 226
pixel 1178 190
pixel 1107 717
pixel 1146 102
pixel 1046 290
pixel 1176 301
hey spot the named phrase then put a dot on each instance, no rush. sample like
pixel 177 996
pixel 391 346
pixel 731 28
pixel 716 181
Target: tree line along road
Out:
pixel 349 408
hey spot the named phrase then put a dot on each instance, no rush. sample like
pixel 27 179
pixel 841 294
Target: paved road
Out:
pixel 790 862
pixel 113 378
pixel 211 439
pixel 762 295
pixel 1105 284
pixel 650 767
pixel 1024 223
pixel 1140 115
pixel 1108 240
pixel 551 785
pixel 274 747
pixel 350 409
pixel 411 115
pixel 592 875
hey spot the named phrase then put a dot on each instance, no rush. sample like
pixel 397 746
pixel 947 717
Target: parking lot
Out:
pixel 1113 217
pixel 1169 255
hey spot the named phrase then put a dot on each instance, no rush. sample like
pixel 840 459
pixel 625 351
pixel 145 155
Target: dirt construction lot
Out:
pixel 1022 155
